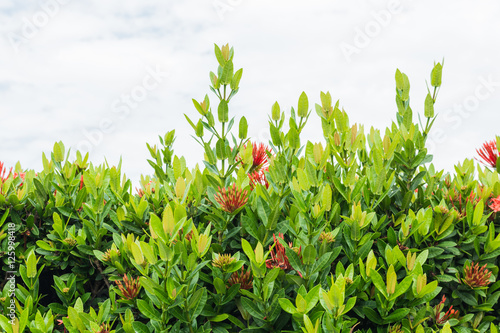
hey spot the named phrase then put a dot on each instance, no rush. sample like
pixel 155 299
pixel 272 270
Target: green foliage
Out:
pixel 358 233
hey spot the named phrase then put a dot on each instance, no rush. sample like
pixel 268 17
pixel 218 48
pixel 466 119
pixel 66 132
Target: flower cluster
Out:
pixel 326 236
pixel 278 255
pixel 231 198
pixel 258 177
pixel 459 202
pixel 476 276
pixel 244 279
pixel 489 153
pixel 147 187
pixel 104 328
pixel 495 204
pixel 223 261
pixel 441 319
pixel 259 157
pixel 395 329
pixel 4 177
pixel 3 170
pixel 130 288
pixel 110 253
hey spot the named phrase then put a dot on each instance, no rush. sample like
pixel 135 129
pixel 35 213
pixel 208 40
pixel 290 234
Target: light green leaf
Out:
pixel 223 111
pixel 436 75
pixel 303 106
pixel 429 106
pixel 378 282
pixel 243 128
pixel 287 305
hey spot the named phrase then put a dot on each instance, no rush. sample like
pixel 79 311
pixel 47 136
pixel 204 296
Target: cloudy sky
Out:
pixel 109 76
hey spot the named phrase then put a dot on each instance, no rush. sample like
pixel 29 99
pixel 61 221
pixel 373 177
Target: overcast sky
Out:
pixel 109 76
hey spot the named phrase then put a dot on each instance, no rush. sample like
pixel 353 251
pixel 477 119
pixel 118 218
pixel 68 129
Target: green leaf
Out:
pixel 31 265
pixel 294 260
pixel 429 106
pixel 140 327
pixel 378 162
pixel 287 306
pixel 227 73
pixel 349 305
pixel 466 297
pixel 372 315
pixel 220 286
pixel 223 111
pixel 252 308
pixel 198 108
pixel 478 213
pixel 378 282
pixel 247 248
pixel 149 253
pixel 309 255
pixel 23 321
pixel 235 82
pixel 220 148
pixel 218 55
pixel 197 302
pixel 58 152
pixel 89 182
pixel 402 287
pixel 275 111
pixel 303 180
pixel 5 324
pixel 303 106
pixel 396 315
pixel 148 310
pixel 321 262
pixel 271 275
pixel 293 138
pixel 157 226
pixel 312 297
pixel 436 75
pixel 243 128
pixel 399 80
pixel 428 289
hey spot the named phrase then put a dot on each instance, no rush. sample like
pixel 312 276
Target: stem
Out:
pixel 223 137
pixel 188 317
pixel 265 237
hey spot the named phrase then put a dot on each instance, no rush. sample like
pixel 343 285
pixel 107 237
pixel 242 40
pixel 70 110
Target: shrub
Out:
pixel 359 233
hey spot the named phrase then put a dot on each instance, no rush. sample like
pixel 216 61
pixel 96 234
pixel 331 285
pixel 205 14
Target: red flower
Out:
pixel 148 189
pixel 3 177
pixel 278 256
pixel 440 320
pixel 245 279
pixel 81 182
pixel 476 276
pixel 457 201
pixel 131 288
pixel 259 157
pixel 489 153
pixel 495 204
pixel 231 199
pixel 2 172
pixel 258 177
pixel 259 154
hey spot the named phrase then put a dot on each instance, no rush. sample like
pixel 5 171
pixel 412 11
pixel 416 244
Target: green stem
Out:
pixel 223 137
pixel 265 237
pixel 188 316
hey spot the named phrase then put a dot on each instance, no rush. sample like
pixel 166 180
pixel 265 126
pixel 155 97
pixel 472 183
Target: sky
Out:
pixel 108 76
